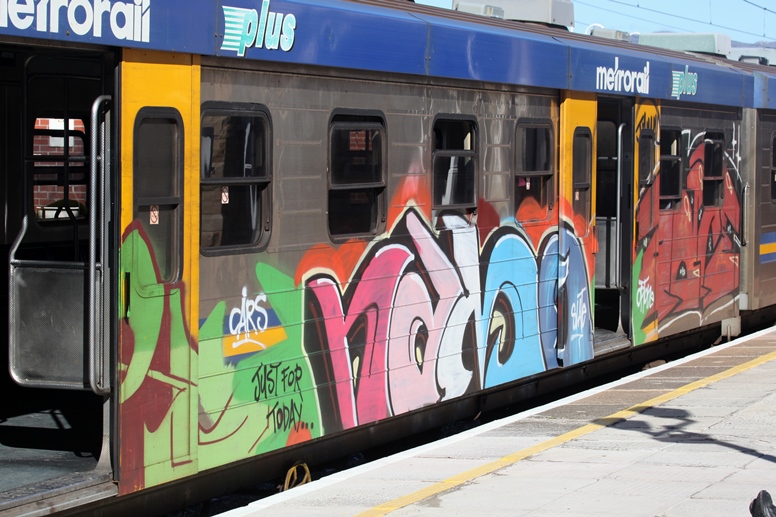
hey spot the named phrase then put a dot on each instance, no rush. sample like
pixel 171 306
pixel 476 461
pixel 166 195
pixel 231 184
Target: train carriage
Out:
pixel 242 234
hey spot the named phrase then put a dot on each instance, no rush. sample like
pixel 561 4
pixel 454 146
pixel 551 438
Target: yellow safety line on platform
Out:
pixel 601 423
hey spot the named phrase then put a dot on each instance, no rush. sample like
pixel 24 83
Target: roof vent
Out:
pixel 490 11
pixel 549 12
pixel 757 60
pixel 759 55
pixel 703 43
pixel 602 32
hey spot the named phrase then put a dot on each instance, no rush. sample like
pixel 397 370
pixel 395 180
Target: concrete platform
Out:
pixel 693 437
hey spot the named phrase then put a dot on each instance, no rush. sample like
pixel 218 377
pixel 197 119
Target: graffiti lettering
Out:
pixel 281 383
pixel 579 311
pixel 250 318
pixel 290 378
pixel 265 380
pixel 272 380
pixel 434 314
pixel 285 416
pixel 645 297
pixel 646 122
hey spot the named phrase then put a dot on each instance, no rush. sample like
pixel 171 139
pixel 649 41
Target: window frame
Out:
pixel 672 198
pixel 58 170
pixel 176 199
pixel 264 217
pixel 472 153
pixel 708 177
pixel 547 177
pixel 586 185
pixel 346 120
pixel 645 173
pixel 772 168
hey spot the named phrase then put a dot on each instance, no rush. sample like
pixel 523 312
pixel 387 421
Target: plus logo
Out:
pixel 246 28
pixel 684 83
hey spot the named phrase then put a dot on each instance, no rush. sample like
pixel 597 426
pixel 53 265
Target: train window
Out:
pixel 606 168
pixel 713 172
pixel 356 175
pixel 60 174
pixel 582 173
pixel 158 173
pixel 455 164
pixel 670 168
pixel 534 162
pixel 646 156
pixel 773 169
pixel 235 176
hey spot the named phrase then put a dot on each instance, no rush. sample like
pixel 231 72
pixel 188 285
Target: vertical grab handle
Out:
pixel 744 214
pixel 96 270
pixel 617 229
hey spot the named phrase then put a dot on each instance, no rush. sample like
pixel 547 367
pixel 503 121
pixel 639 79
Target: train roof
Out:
pixel 396 36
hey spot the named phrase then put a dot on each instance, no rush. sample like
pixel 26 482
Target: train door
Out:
pixel 576 228
pixel 614 221
pixel 56 173
pixel 759 255
pixel 644 320
pixel 159 250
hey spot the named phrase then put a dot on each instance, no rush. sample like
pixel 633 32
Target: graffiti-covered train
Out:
pixel 240 229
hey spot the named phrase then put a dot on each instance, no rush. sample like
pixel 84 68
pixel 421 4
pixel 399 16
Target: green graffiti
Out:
pixel 638 315
pixel 260 401
pixel 143 314
pixel 155 372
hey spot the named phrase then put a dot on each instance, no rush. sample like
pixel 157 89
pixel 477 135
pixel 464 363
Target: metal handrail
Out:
pixel 744 214
pixel 97 188
pixel 617 229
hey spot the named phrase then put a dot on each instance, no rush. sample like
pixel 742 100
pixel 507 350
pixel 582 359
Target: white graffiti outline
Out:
pixel 249 318
pixel 578 313
pixel 645 296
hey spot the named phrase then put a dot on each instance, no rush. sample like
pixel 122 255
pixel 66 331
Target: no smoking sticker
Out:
pixel 154 217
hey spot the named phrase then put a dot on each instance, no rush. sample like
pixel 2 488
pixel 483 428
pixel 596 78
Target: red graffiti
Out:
pixel 694 250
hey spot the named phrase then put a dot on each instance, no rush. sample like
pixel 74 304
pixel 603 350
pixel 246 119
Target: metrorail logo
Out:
pixel 129 21
pixel 616 80
pixel 245 28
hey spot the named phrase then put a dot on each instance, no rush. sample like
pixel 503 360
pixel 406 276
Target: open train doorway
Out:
pixel 54 170
pixel 614 223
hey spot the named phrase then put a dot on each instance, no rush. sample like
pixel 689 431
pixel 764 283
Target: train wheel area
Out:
pixel 694 436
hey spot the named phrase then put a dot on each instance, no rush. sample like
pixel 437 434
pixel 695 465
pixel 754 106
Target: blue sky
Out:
pixel 746 21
